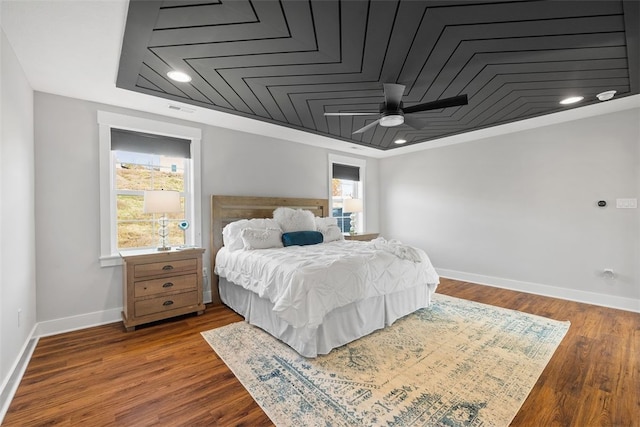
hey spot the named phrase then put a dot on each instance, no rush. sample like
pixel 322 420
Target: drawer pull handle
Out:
pixel 167 285
pixel 168 267
pixel 167 303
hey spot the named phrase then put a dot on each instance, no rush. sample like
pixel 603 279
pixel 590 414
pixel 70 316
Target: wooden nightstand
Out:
pixel 158 285
pixel 362 236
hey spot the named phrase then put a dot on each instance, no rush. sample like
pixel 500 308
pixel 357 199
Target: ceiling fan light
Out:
pixel 392 120
pixel 179 76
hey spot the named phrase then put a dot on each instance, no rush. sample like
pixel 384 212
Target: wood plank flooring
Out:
pixel 166 374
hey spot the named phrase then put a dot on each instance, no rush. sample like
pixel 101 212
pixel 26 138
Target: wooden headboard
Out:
pixel 226 209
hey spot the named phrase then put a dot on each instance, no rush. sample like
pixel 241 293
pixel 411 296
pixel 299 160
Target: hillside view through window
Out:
pixel 135 173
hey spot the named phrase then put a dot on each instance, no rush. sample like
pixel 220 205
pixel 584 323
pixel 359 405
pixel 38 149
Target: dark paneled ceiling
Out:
pixel 288 62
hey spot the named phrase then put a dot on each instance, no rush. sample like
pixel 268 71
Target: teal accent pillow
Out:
pixel 301 238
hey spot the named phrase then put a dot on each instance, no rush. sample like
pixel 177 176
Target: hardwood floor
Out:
pixel 166 374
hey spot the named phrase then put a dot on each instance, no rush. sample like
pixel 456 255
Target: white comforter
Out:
pixel 306 282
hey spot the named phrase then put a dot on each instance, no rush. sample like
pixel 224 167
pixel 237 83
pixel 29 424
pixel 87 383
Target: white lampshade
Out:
pixel 352 205
pixel 162 201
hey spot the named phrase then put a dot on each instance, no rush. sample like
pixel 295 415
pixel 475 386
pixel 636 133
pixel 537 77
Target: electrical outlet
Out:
pixel 626 203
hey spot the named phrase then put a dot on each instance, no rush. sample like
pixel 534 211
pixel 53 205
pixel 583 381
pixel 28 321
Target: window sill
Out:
pixel 110 261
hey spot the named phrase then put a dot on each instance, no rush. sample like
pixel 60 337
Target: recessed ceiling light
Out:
pixel 400 141
pixel 179 76
pixel 571 100
pixel 605 96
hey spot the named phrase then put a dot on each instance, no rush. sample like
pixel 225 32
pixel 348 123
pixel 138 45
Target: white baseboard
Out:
pixel 14 376
pixel 621 303
pixel 87 320
pixel 81 321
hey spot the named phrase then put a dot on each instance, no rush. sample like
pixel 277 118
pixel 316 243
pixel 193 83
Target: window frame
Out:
pixel 109 254
pixel 362 165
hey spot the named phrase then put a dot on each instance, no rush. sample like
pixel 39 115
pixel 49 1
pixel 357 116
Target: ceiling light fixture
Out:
pixel 605 96
pixel 400 141
pixel 392 120
pixel 571 100
pixel 179 76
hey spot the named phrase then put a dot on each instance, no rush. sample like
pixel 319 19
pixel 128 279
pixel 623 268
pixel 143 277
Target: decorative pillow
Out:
pixel 257 238
pixel 323 223
pixel 331 233
pixel 231 233
pixel 294 219
pixel 301 238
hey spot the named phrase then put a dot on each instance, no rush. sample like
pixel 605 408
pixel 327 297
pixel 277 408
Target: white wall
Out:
pixel 17 247
pixel 70 279
pixel 520 211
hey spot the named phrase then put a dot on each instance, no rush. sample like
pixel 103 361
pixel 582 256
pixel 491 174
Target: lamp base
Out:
pixel 163 232
pixel 352 229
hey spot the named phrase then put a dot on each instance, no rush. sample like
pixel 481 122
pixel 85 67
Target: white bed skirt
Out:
pixel 340 326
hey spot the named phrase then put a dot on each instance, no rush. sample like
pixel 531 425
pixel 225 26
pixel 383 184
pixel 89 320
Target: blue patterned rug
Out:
pixel 456 363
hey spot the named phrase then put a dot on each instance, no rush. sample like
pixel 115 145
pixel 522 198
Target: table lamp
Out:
pixel 162 202
pixel 354 206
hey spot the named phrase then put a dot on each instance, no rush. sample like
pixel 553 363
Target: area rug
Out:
pixel 456 363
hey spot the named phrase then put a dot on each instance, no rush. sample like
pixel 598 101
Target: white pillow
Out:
pixel 322 223
pixel 294 220
pixel 331 233
pixel 257 238
pixel 231 233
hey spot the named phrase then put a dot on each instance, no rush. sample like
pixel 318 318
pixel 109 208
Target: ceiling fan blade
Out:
pixel 440 103
pixel 352 114
pixel 393 95
pixel 414 122
pixel 367 127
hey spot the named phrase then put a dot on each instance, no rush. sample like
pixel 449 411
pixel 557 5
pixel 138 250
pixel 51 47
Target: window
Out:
pixel 346 182
pixel 138 155
pixel 147 162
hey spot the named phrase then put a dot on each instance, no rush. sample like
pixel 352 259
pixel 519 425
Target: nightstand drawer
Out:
pixel 165 303
pixel 158 286
pixel 168 267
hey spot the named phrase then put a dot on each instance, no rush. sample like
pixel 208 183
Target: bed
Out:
pixel 300 294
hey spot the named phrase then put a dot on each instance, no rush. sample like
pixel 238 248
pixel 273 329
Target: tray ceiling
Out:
pixel 289 62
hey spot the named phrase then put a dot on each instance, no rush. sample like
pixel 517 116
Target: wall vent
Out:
pixel 179 108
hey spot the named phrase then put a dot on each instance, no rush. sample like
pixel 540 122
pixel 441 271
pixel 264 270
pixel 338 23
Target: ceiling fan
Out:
pixel 392 112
